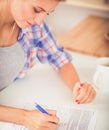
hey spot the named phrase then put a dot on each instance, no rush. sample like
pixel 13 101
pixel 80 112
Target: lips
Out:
pixel 30 24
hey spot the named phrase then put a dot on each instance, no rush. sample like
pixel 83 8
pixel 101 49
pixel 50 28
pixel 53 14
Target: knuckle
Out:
pixel 86 96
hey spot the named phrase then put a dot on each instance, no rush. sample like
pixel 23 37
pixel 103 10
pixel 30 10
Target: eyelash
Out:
pixel 36 11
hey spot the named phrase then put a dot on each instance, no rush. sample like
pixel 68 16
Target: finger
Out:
pixel 50 125
pixel 53 119
pixel 91 97
pixel 52 112
pixel 43 128
pixel 76 90
pixel 87 95
pixel 82 93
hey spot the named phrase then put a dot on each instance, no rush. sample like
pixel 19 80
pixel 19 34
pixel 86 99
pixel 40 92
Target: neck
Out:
pixel 5 13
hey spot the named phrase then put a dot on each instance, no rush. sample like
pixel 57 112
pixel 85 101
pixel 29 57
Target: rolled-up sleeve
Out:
pixel 50 51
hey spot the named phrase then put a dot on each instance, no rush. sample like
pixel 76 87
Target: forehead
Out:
pixel 46 4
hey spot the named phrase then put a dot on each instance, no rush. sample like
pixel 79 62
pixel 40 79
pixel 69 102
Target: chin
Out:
pixel 23 26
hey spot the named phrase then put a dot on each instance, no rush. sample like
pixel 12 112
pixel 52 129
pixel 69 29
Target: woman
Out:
pixel 25 37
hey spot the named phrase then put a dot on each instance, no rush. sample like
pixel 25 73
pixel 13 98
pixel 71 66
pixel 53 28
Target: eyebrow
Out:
pixel 44 10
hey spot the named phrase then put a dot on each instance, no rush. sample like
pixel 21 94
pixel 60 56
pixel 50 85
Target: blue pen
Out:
pixel 41 109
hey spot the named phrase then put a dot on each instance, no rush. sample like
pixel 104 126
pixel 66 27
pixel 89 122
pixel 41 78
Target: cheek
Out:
pixel 26 13
pixel 21 14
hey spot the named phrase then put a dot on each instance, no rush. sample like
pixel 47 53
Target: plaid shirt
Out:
pixel 39 45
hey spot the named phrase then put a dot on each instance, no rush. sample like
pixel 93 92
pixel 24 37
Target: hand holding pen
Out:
pixel 40 119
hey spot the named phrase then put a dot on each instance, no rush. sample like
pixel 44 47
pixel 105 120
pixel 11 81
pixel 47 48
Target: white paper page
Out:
pixel 70 119
pixel 75 119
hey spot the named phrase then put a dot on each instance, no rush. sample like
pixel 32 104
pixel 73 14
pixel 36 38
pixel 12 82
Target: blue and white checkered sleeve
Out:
pixel 50 51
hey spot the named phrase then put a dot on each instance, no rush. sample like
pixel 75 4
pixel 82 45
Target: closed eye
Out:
pixel 37 11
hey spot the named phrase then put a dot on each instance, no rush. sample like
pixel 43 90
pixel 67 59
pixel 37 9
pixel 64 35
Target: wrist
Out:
pixel 24 117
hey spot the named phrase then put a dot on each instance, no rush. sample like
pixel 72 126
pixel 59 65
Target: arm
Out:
pixel 32 119
pixel 82 92
pixel 9 114
pixel 60 60
pixel 69 75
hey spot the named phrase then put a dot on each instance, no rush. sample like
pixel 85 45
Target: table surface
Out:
pixel 44 86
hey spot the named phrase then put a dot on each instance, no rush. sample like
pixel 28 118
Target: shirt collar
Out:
pixel 24 31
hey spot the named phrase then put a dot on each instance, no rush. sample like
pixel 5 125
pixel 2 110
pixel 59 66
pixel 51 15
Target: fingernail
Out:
pixel 81 84
pixel 76 100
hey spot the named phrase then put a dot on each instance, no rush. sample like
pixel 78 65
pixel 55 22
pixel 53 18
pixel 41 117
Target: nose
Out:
pixel 39 18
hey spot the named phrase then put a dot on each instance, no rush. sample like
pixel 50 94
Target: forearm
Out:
pixel 69 75
pixel 13 115
pixel 31 119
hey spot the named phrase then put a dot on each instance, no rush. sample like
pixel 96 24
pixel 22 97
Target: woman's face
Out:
pixel 29 12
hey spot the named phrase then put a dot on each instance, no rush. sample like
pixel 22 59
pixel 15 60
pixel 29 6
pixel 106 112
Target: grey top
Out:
pixel 11 62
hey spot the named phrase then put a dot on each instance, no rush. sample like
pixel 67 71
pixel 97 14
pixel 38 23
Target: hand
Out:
pixel 35 120
pixel 83 93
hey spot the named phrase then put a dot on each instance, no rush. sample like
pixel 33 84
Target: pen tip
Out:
pixel 36 103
